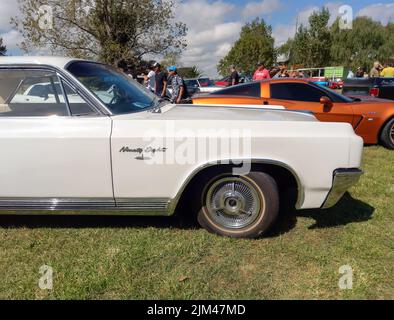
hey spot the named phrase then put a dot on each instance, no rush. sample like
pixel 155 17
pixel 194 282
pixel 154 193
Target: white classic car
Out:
pixel 79 137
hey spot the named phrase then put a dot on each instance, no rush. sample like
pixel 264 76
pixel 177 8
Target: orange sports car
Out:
pixel 372 119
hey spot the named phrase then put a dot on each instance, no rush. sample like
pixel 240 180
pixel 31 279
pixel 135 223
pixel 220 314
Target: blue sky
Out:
pixel 214 25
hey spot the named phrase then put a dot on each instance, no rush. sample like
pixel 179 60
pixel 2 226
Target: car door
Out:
pixel 55 147
pixel 303 96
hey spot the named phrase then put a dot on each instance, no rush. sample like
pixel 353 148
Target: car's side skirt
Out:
pixel 83 206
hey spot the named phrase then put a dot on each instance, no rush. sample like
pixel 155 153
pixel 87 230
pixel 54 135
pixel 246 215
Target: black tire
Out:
pixel 248 212
pixel 387 136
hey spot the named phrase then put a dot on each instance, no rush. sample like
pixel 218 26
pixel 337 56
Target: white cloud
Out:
pixel 282 32
pixel 9 8
pixel 203 14
pixel 379 12
pixel 254 9
pixel 11 39
pixel 213 27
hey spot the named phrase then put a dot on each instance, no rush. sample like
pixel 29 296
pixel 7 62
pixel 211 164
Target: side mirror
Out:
pixel 326 102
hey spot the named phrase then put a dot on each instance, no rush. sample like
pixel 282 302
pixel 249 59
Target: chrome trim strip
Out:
pixel 343 179
pixel 157 204
pixel 55 203
pixel 301 192
pixel 258 107
pixel 105 206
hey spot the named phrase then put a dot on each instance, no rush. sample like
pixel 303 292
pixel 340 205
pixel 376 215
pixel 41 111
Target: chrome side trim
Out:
pixel 253 107
pixel 76 206
pixel 159 204
pixel 301 193
pixel 342 181
pixel 55 203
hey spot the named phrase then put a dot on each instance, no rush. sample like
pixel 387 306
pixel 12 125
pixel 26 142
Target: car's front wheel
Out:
pixel 239 206
pixel 387 137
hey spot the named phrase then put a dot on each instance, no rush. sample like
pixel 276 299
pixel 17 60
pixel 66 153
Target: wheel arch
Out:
pixel 284 175
pixel 383 126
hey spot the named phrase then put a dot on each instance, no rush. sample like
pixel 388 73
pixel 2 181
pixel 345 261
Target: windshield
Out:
pixel 191 83
pixel 205 82
pixel 116 90
pixel 334 96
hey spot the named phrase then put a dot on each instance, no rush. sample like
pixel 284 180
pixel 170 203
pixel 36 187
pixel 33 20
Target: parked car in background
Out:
pixel 373 120
pixel 103 145
pixel 375 87
pixel 200 85
pixel 336 84
pixel 226 82
pixel 322 81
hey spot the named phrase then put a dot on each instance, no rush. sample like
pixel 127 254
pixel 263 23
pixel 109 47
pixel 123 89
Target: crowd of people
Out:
pixel 158 80
pixel 377 71
pixel 262 73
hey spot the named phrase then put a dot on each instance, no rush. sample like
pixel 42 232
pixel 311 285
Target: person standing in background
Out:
pixel 234 76
pixel 350 74
pixel 151 79
pixel 360 72
pixel 388 71
pixel 179 89
pixel 375 71
pixel 160 80
pixel 261 73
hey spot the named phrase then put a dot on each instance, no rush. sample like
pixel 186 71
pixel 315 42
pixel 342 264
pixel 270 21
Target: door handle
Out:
pixel 265 102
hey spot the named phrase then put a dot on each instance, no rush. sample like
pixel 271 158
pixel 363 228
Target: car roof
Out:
pixel 274 80
pixel 201 78
pixel 59 62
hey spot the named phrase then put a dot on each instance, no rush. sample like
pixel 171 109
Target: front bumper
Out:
pixel 343 180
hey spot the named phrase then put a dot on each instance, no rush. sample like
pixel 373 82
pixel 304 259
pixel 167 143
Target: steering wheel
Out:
pixel 118 93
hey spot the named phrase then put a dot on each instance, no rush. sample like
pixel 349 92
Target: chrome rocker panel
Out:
pixel 61 206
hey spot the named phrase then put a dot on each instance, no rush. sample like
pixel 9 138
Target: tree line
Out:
pixel 316 44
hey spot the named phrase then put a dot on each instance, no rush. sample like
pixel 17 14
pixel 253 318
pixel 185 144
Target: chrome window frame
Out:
pixel 12 94
pixel 93 102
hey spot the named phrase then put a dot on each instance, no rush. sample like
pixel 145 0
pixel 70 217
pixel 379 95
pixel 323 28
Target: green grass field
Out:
pixel 157 258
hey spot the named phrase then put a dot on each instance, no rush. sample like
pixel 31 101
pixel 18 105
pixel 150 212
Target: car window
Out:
pixel 250 90
pixel 191 83
pixel 333 95
pixel 296 91
pixel 205 82
pixel 30 93
pixel 116 90
pixel 78 106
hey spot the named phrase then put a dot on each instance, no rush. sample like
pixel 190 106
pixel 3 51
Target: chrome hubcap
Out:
pixel 233 203
pixel 392 134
